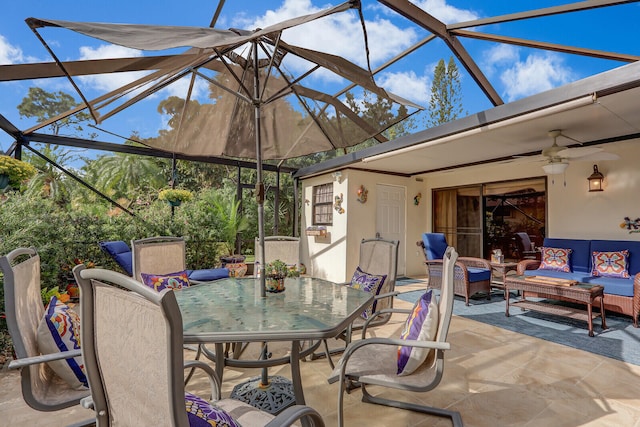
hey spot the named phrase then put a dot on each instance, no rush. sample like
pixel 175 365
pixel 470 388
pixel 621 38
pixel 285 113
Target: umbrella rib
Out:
pixel 282 92
pixel 233 74
pixel 271 61
pixel 223 87
pixel 64 70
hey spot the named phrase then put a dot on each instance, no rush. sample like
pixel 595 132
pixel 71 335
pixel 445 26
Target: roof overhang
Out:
pixel 597 110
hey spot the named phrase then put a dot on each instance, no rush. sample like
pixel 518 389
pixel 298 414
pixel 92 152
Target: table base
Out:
pixel 273 398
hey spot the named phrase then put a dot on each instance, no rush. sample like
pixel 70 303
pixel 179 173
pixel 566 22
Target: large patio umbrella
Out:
pixel 257 107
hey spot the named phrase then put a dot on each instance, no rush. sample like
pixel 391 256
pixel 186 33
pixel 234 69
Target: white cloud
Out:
pixel 339 34
pixel 499 56
pixel 445 12
pixel 537 73
pixel 408 85
pixel 10 54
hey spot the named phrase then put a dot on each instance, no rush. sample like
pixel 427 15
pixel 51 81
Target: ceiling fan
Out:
pixel 557 157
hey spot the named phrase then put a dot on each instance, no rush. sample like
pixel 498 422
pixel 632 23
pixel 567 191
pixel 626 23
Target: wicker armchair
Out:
pixel 472 275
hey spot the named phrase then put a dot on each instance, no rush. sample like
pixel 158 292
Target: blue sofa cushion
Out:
pixel 612 285
pixel 435 245
pixel 580 253
pixel 208 275
pixel 121 253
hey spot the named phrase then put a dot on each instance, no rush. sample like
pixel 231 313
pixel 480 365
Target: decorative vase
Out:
pixel 232 259
pixel 274 284
pixel 236 269
pixel 4 181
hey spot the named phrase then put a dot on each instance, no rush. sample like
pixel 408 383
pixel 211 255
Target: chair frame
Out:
pixel 462 286
pixel 24 310
pixel 156 243
pixel 348 382
pixel 91 279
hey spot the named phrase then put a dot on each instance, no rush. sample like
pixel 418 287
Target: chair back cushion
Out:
pixel 435 244
pixel 121 254
pixel 284 248
pixel 58 331
pixel 620 245
pixel 610 264
pixel 380 257
pixel 421 325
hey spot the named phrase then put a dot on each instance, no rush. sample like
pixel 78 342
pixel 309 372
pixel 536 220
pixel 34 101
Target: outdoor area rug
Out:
pixel 620 341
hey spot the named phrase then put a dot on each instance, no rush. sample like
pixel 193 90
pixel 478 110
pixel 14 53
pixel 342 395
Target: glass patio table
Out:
pixel 232 311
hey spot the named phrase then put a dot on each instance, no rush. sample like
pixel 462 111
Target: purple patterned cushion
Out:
pixel 203 414
pixel 59 330
pixel 177 280
pixel 371 283
pixel 555 259
pixel 610 264
pixel 421 325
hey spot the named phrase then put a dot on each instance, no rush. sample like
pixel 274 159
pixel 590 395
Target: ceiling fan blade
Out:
pixel 572 153
pixel 602 155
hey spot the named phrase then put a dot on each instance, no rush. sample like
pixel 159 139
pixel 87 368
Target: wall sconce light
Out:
pixel 361 194
pixel 337 176
pixel 595 180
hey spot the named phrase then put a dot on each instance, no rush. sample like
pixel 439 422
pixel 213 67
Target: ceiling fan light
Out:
pixel 555 168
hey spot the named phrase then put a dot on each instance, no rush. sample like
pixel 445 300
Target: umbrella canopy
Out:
pixel 256 108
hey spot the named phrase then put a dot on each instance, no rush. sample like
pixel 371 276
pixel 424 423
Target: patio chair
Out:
pixel 284 248
pixel 42 388
pixel 164 255
pixel 378 257
pixel 132 347
pixel 374 361
pixel 524 247
pixel 472 275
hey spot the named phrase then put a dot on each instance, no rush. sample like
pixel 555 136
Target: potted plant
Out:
pixel 14 171
pixel 175 196
pixel 275 273
pixel 231 224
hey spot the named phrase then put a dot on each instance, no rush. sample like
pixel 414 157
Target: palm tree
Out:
pixel 51 182
pixel 125 175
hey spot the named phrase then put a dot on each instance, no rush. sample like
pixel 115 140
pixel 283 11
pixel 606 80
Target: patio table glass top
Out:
pixel 232 308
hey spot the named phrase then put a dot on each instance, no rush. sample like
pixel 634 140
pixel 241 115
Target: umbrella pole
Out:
pixel 259 190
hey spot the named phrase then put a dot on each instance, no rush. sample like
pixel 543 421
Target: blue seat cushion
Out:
pixel 208 275
pixel 121 254
pixel 478 274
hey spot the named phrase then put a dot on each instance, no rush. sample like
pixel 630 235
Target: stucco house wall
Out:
pixel 573 212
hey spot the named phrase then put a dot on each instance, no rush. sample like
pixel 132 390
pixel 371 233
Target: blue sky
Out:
pixel 515 72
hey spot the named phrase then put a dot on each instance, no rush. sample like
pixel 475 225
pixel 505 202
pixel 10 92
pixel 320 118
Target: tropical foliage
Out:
pixel 17 170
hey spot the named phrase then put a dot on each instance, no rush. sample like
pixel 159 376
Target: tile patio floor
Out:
pixel 492 376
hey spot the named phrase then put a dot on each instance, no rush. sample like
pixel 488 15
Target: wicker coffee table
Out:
pixel 560 290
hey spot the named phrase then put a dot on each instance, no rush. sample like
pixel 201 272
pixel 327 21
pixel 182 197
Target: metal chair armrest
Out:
pixel 28 361
pixel 294 413
pixel 213 377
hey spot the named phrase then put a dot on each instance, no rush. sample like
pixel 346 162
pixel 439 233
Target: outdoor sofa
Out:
pixel 621 294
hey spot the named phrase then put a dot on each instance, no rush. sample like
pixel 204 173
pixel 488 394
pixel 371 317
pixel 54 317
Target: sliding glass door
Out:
pixel 481 218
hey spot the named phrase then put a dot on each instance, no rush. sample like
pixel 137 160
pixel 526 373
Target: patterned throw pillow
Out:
pixel 203 414
pixel 555 259
pixel 371 283
pixel 177 280
pixel 59 330
pixel 421 325
pixel 610 264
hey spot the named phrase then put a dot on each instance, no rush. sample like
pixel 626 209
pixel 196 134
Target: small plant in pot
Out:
pixel 275 272
pixel 175 196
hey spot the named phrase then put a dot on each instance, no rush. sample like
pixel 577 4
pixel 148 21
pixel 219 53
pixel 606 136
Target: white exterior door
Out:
pixel 390 218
